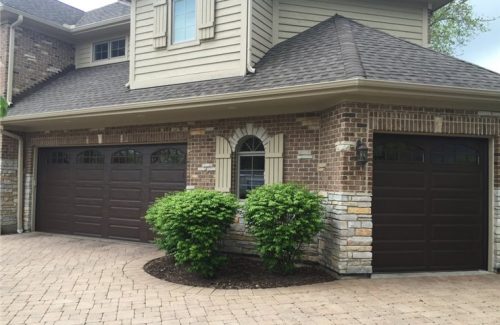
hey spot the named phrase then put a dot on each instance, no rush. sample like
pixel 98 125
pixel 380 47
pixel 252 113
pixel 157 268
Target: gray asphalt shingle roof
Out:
pixel 63 14
pixel 114 10
pixel 337 49
pixel 51 10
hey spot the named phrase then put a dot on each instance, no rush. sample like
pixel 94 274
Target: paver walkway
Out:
pixel 53 279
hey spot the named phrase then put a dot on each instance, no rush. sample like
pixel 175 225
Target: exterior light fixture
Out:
pixel 361 152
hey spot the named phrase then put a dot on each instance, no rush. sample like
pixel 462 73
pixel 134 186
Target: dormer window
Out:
pixel 184 21
pixel 109 49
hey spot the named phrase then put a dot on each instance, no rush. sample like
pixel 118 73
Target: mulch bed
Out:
pixel 240 272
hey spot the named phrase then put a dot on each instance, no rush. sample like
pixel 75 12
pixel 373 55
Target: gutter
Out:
pixel 10 69
pixel 249 36
pixel 20 177
pixel 355 86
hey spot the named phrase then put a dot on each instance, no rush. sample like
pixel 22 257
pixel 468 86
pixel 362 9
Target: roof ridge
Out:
pixel 349 51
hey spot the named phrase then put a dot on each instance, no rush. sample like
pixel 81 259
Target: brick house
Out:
pixel 116 106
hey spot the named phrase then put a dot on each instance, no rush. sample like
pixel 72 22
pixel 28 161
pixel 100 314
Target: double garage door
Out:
pixel 429 203
pixel 105 191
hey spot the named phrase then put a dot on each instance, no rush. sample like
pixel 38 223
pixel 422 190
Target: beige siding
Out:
pixel 262 28
pixel 83 52
pixel 222 56
pixel 404 19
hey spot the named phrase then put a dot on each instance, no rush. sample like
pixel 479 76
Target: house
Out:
pixel 114 107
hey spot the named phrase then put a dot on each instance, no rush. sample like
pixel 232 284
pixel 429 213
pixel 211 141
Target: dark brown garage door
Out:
pixel 105 191
pixel 430 203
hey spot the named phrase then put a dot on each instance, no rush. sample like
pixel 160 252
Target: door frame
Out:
pixel 490 191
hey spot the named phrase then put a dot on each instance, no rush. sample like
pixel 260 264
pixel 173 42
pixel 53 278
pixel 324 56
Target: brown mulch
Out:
pixel 240 272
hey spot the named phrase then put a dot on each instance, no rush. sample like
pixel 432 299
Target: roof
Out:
pixel 336 49
pixel 60 13
pixel 114 10
pixel 52 10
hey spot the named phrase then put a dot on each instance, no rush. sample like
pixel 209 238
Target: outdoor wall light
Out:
pixel 361 152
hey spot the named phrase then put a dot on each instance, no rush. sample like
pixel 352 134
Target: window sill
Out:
pixel 183 45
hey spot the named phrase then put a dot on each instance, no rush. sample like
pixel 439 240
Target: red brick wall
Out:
pixel 4 46
pixel 38 57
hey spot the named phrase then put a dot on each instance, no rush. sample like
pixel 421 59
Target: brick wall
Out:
pixel 4 42
pixel 38 57
pixel 8 184
pixel 319 153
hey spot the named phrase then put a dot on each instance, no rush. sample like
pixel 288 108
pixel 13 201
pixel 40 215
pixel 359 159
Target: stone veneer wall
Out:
pixel 497 229
pixel 8 185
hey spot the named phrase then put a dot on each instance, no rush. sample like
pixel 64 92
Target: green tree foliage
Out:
pixel 4 106
pixel 454 25
pixel 282 218
pixel 189 226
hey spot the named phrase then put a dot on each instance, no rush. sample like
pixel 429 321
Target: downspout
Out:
pixel 12 45
pixel 20 178
pixel 249 37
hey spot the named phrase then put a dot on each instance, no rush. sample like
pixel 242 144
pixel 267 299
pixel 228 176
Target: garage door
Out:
pixel 429 203
pixel 105 191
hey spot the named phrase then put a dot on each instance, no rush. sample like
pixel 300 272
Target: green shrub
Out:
pixel 189 225
pixel 282 218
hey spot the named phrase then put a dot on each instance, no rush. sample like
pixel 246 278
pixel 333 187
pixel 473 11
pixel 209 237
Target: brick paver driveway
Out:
pixel 51 279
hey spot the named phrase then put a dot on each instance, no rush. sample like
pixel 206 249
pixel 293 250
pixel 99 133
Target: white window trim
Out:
pixel 171 45
pixel 110 59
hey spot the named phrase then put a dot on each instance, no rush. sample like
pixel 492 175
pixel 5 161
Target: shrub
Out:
pixel 189 225
pixel 282 218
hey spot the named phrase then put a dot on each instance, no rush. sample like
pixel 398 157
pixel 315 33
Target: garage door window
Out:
pixel 90 157
pixel 127 156
pixel 398 151
pixel 58 157
pixel 169 156
pixel 454 154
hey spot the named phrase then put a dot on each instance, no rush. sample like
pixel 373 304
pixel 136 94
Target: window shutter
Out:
pixel 222 165
pixel 206 19
pixel 274 160
pixel 160 23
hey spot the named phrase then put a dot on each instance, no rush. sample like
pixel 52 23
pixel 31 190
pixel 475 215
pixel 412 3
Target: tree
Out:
pixel 454 25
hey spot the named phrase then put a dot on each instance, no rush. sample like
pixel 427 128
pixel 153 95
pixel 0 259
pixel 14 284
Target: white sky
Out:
pixel 484 50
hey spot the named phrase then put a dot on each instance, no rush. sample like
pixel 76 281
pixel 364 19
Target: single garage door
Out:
pixel 105 191
pixel 429 203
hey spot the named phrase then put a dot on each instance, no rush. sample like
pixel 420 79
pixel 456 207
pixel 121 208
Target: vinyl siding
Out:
pixel 403 19
pixel 223 56
pixel 262 28
pixel 84 57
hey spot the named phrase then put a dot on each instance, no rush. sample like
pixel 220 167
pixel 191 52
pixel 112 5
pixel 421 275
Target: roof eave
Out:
pixel 121 20
pixel 352 90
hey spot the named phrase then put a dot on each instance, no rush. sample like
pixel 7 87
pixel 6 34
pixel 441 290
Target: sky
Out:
pixel 484 50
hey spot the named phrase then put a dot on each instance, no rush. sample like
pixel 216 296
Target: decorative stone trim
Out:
pixel 249 130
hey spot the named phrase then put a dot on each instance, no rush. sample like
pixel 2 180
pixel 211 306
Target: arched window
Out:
pixel 398 151
pixel 251 160
pixel 126 156
pixel 169 156
pixel 90 157
pixel 454 154
pixel 58 157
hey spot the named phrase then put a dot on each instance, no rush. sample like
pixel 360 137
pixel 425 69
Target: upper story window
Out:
pixel 109 49
pixel 183 21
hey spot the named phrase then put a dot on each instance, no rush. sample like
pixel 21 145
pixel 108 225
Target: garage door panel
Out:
pixel 449 211
pixel 458 206
pixel 401 232
pixel 99 192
